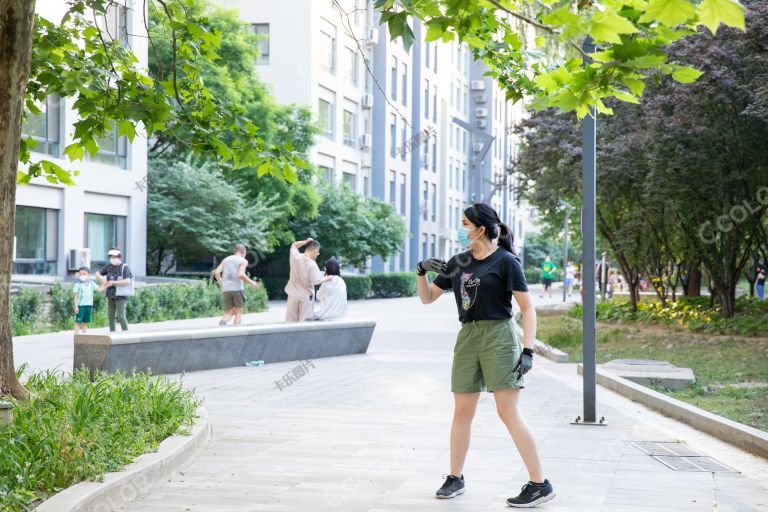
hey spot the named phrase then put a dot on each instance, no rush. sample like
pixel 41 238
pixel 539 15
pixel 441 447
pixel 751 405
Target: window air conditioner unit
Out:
pixel 365 140
pixel 481 123
pixel 372 37
pixel 368 101
pixel 79 258
pixel 480 98
pixel 481 112
pixel 477 147
pixel 477 85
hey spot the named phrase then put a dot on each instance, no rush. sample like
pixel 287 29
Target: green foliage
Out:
pixel 532 275
pixel 193 211
pixel 149 304
pixel 358 287
pixel 353 228
pixel 26 310
pixel 751 318
pixel 632 38
pixel 73 429
pixel 75 59
pixel 393 284
pixel 275 287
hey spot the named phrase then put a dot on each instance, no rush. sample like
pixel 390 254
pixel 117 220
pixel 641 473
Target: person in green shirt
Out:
pixel 83 292
pixel 548 275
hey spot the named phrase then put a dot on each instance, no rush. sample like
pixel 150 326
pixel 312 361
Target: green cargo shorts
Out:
pixel 486 351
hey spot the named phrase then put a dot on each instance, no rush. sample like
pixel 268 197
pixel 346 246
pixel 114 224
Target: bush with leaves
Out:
pixel 393 284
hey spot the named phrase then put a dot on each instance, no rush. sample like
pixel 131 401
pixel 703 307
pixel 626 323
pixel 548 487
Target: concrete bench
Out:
pixel 177 351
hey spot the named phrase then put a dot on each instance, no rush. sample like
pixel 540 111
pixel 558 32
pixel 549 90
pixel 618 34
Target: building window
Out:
pixel 114 24
pixel 393 188
pixel 350 66
pixel 403 137
pixel 434 154
pixel 426 99
pixel 425 201
pixel 45 128
pixel 103 232
pixel 393 82
pixel 434 245
pixel 393 136
pixel 262 31
pixel 425 161
pixel 328 173
pixel 36 240
pixel 466 100
pixel 434 60
pixel 434 104
pixel 450 172
pixel 434 203
pixel 327 47
pixel 426 54
pixel 424 254
pixel 350 179
pixel 464 177
pixel 403 196
pixel 325 110
pixel 366 187
pixel 113 149
pixel 350 129
pixel 404 78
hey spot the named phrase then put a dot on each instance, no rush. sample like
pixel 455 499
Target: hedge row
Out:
pixel 149 304
pixel 379 285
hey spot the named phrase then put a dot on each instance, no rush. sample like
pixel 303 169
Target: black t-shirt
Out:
pixel 483 288
pixel 115 273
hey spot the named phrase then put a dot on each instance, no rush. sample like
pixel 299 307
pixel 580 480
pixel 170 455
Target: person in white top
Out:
pixel 332 296
pixel 569 276
pixel 304 275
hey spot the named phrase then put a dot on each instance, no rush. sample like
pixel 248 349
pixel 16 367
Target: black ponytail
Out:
pixel 480 214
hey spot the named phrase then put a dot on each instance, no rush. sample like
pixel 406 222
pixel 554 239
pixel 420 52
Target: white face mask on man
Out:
pixel 114 261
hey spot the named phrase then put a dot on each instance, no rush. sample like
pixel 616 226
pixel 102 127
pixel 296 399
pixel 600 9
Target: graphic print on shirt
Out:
pixel 469 288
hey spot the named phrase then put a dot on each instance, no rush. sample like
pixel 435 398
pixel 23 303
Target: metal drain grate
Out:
pixel 680 457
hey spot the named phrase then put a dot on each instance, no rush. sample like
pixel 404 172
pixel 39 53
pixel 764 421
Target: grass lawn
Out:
pixel 731 371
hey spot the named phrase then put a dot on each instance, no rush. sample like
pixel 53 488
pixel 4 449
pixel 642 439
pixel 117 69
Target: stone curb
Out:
pixel 147 473
pixel 745 437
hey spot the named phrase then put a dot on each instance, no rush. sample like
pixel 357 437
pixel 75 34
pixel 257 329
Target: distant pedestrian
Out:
pixel 570 274
pixel 117 279
pixel 304 275
pixel 230 274
pixel 332 296
pixel 548 275
pixel 83 297
pixel 760 283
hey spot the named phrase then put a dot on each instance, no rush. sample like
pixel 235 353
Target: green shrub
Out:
pixel 274 286
pixel 751 316
pixel 73 429
pixel 358 287
pixel 532 275
pixel 393 284
pixel 27 306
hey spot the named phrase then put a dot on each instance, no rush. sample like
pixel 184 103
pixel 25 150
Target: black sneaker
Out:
pixel 532 494
pixel 452 487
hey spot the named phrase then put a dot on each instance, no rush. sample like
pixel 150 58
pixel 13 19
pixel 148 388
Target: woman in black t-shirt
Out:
pixel 488 353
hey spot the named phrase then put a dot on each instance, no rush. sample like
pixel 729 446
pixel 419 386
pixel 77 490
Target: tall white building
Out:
pixel 406 127
pixel 108 205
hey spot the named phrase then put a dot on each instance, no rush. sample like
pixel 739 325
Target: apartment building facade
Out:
pixel 423 129
pixel 56 224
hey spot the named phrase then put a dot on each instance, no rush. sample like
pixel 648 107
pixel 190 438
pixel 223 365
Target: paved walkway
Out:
pixel 370 433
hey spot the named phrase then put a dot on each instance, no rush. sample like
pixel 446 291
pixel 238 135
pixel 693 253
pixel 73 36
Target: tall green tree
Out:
pixel 74 58
pixel 195 211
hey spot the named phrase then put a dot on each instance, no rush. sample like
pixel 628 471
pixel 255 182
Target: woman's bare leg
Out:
pixel 463 413
pixel 507 407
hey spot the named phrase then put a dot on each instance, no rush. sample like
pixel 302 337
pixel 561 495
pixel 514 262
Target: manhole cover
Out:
pixel 680 457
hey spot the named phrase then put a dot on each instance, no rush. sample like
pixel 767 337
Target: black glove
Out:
pixel 525 363
pixel 431 265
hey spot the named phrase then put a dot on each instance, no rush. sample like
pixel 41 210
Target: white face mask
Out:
pixel 82 278
pixel 114 261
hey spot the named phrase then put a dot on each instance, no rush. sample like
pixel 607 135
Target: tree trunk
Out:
pixel 16 26
pixel 693 286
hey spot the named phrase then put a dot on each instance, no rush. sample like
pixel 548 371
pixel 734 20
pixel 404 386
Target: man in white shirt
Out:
pixel 305 274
